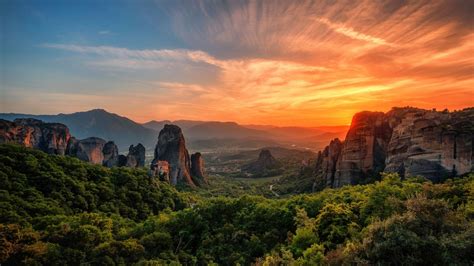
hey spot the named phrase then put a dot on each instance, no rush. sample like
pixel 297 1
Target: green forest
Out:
pixel 57 210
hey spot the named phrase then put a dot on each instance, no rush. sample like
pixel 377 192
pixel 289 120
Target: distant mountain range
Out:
pixel 183 124
pixel 200 134
pixel 99 123
pixel 212 133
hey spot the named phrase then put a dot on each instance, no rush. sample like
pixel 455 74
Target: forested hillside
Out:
pixel 57 210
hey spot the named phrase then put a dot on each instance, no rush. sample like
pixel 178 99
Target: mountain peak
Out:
pixel 98 111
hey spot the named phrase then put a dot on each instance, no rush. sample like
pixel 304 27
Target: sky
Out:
pixel 298 63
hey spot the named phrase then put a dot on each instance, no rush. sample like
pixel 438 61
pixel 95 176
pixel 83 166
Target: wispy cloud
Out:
pixel 351 33
pixel 105 32
pixel 164 54
pixel 301 62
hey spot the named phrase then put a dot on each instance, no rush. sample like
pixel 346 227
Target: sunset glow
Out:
pixel 253 62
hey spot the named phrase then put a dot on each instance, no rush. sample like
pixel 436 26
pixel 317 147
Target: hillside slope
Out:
pixel 56 210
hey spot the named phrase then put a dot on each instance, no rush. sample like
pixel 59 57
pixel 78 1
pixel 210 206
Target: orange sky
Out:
pixel 304 63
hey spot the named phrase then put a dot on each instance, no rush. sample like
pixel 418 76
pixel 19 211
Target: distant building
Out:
pixel 161 169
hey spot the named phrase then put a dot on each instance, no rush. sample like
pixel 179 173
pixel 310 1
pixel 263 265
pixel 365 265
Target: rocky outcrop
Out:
pixel 51 138
pixel 265 165
pixel 431 144
pixel 160 169
pixel 171 147
pixel 54 138
pixel 136 156
pixel 364 149
pixel 88 150
pixel 122 160
pixel 197 168
pixel 111 156
pixel 327 161
pixel 408 141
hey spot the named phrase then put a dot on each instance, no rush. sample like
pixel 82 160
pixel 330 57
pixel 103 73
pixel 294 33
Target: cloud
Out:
pixel 300 62
pixel 176 54
pixel 104 32
pixel 351 33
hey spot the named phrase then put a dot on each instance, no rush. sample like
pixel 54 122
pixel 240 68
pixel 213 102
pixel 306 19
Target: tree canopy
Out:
pixel 56 210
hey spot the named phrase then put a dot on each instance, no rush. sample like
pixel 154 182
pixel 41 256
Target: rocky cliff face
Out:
pixel 49 137
pixel 136 156
pixel 54 138
pixel 327 161
pixel 364 149
pixel 197 168
pixel 431 144
pixel 171 147
pixel 409 141
pixel 88 150
pixel 111 156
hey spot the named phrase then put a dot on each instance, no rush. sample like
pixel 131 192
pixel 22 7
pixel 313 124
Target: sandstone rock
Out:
pixel 364 149
pixel 265 163
pixel 111 156
pixel 54 138
pixel 71 148
pixel 197 168
pixel 88 150
pixel 328 161
pixel 51 138
pixel 409 141
pixel 171 147
pixel 136 156
pixel 431 144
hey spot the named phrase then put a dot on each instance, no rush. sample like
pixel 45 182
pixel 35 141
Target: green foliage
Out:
pixel 335 224
pixel 34 184
pixel 429 232
pixel 57 210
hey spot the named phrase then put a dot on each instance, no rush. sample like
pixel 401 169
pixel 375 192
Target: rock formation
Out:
pixel 197 168
pixel 111 156
pixel 265 163
pixel 408 141
pixel 122 160
pixel 431 144
pixel 51 138
pixel 364 149
pixel 136 156
pixel 171 147
pixel 327 161
pixel 88 150
pixel 54 138
pixel 160 169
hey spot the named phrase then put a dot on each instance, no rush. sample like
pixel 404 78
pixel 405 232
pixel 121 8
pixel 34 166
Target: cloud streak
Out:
pixel 299 62
pixel 351 33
